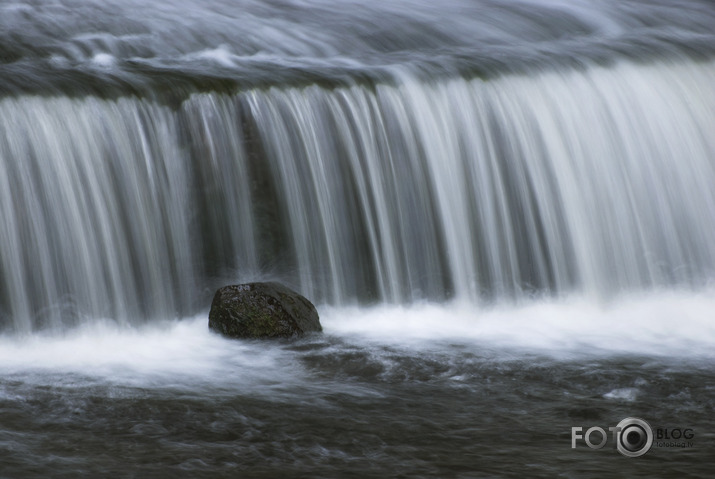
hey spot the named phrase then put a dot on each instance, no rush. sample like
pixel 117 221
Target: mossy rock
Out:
pixel 262 310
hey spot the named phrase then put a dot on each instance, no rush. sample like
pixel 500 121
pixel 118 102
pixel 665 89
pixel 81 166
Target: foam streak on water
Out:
pixel 673 326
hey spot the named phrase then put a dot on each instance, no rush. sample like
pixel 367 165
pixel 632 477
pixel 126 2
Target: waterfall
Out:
pixel 503 211
pixel 596 180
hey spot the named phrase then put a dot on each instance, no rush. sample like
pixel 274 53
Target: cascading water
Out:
pixel 596 181
pixel 474 193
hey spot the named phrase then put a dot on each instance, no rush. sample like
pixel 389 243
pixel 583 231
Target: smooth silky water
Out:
pixel 504 210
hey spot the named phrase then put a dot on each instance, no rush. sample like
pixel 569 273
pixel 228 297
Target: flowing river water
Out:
pixel 503 209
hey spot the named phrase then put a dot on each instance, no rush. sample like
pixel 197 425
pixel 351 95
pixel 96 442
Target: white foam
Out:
pixel 664 324
pixel 677 325
pixel 623 394
pixel 163 352
pixel 103 60
pixel 221 55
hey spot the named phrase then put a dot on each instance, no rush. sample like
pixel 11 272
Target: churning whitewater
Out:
pixel 504 210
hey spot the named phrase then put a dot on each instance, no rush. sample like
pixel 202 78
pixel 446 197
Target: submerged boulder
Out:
pixel 261 310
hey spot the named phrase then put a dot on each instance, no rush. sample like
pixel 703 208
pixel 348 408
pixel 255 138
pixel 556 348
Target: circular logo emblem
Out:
pixel 634 437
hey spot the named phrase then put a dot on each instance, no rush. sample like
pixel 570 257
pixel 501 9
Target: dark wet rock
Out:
pixel 262 310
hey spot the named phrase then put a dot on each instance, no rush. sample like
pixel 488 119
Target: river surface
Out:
pixel 425 391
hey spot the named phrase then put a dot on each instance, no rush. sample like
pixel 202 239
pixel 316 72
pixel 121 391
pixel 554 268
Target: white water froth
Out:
pixel 623 394
pixel 167 354
pixel 672 325
pixel 103 60
pixel 678 324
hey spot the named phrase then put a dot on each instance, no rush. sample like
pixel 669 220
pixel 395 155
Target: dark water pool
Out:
pixel 340 405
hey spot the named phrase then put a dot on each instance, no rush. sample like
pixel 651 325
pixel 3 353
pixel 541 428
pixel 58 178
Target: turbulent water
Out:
pixel 505 211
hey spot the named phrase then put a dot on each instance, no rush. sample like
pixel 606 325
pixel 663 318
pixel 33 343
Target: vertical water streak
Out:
pixel 215 130
pixel 93 211
pixel 591 180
